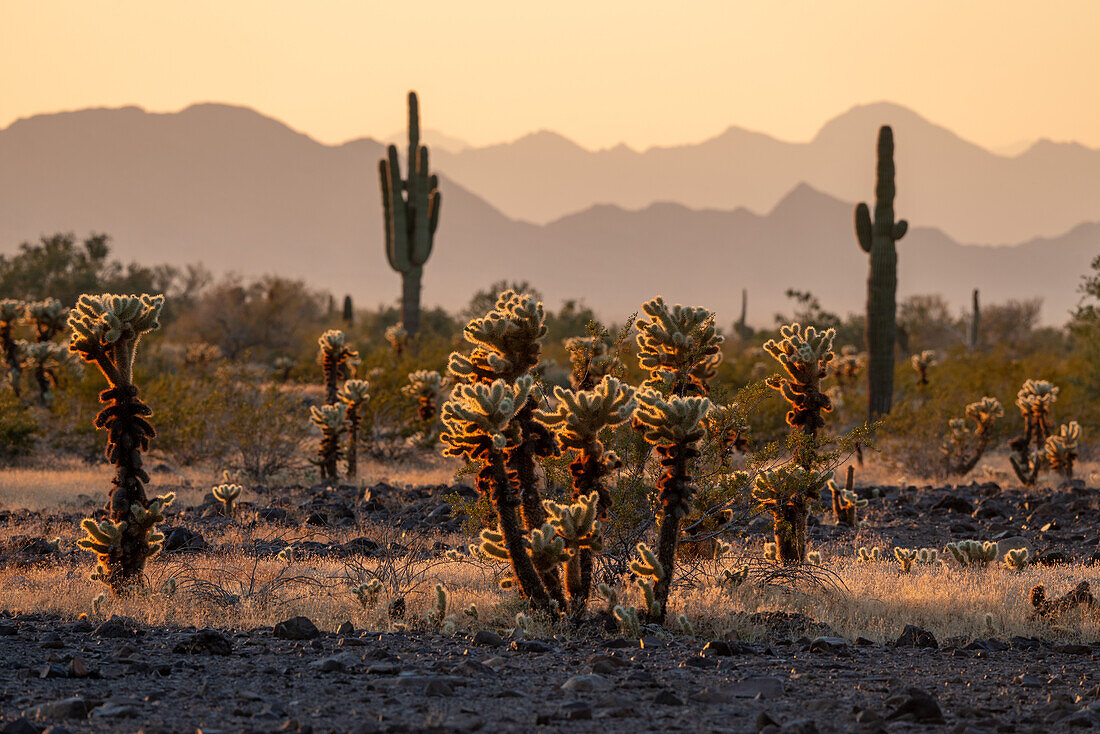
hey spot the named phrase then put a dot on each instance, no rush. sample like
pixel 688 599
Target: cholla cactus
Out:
pixel 580 531
pixel 438 612
pixel 590 359
pixel 354 394
pixel 333 422
pixel 922 363
pixel 788 493
pixel 44 360
pixel 1061 449
pixel 973 552
pixel 106 331
pixel 199 354
pixel 736 577
pixel 1016 559
pixel 627 617
pixel 846 502
pixel 398 339
pixel 1034 400
pixel 726 427
pixel 282 367
pixel 848 366
pixel 673 427
pixel 965 445
pixel 109 539
pixel 805 355
pixel 335 356
pixel 11 313
pixel 48 317
pixel 369 593
pixel 479 425
pixel 874 555
pixel 679 347
pixel 685 626
pixel 650 574
pixel 425 386
pixel 906 557
pixel 227 494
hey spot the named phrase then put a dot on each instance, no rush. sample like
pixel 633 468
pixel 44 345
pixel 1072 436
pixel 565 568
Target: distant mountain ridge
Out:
pixel 238 191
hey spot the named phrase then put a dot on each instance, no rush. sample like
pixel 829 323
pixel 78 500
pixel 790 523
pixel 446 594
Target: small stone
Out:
pixel 829 645
pixel 576 711
pixel 77 669
pixel 916 705
pixel 587 682
pixel 765 687
pixel 652 642
pixel 710 696
pixel 207 641
pixel 487 638
pixel 66 708
pixel 667 698
pixel 113 710
pixel 19 726
pixel 345 629
pixel 536 647
pixel 117 627
pixel 913 636
pixel 438 688
pixel 296 628
pixel 339 663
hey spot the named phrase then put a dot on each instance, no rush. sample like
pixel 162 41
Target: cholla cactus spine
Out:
pixel 227 494
pixel 106 330
pixel 679 347
pixel 332 420
pixel 335 356
pixel 354 394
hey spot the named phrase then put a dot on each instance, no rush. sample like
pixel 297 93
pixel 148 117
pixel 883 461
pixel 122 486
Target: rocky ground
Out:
pixel 799 676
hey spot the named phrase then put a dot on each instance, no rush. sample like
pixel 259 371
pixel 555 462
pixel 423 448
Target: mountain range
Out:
pixel 238 191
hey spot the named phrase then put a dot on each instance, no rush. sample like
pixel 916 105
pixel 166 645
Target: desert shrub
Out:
pixel 17 427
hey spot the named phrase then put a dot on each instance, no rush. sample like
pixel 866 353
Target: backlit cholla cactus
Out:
pixel 673 427
pixel 425 386
pixel 11 313
pixel 590 360
pixel 788 493
pixel 848 366
pixel 649 575
pixel 1061 449
pixel 579 528
pixel 227 494
pixel 398 339
pixel 922 363
pixel 333 422
pixel 872 555
pixel 479 423
pixel 846 502
pixel 354 394
pixel 1016 559
pixel 679 347
pixel 335 357
pixel 972 553
pixel 726 428
pixel 1029 449
pixel 906 557
pixel 805 355
pixel 283 366
pixel 578 419
pixel 47 317
pixel 106 330
pixel 965 444
pixel 44 360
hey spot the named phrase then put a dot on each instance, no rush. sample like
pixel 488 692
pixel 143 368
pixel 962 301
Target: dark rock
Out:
pixel 360 547
pixel 66 708
pixel 296 628
pixel 19 726
pixel 277 515
pixel 667 698
pixel 207 641
pixel 117 627
pixel 536 647
pixel 317 517
pixel 346 629
pixel 764 687
pixel 829 645
pixel 487 638
pixel 913 704
pixel 953 503
pixel 913 636
pixel 179 540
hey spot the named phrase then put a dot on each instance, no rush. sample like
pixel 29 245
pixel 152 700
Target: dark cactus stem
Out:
pixel 498 483
pixel 331 368
pixel 410 302
pixel 790 533
pixel 675 490
pixel 976 323
pixel 349 311
pixel 11 356
pixel 353 441
pixel 425 409
pixel 845 512
pixel 741 327
pixel 878 238
pixel 587 471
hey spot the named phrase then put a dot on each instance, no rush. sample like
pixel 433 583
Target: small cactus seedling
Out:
pixel 788 493
pixel 1029 449
pixel 923 362
pixel 686 629
pixel 398 339
pixel 679 347
pixel 649 575
pixel 11 313
pixel 410 208
pixel 590 360
pixel 1016 559
pixel 438 612
pixel 805 355
pixel 610 597
pixel 771 553
pixel 878 238
pixel 227 494
pixel 965 445
pixel 335 357
pixel 425 386
pixel 48 318
pixel 874 555
pixel 846 502
pixel 479 425
pixel 972 553
pixel 628 620
pixel 1061 449
pixel 333 422
pixel 813 558
pixel 106 330
pixel 354 394
pixel 673 427
pixel 906 557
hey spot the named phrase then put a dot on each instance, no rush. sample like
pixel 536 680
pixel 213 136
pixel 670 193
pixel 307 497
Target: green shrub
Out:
pixel 17 427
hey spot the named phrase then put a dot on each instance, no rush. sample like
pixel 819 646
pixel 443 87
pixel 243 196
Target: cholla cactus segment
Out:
pixel 227 494
pixel 548 549
pixel 577 524
pixel 1061 449
pixel 397 337
pixel 673 421
pixel 48 317
pixel 438 613
pixel 610 596
pixel 354 393
pixel 1036 397
pixel 869 556
pixel 329 418
pixel 336 357
pixel 922 362
pixel 507 341
pixel 627 617
pixel 686 628
pixel 579 417
pixel 491 546
pixel 985 412
pixel 906 557
pixel 1016 559
pixel 973 552
pixel 646 564
pixel 679 347
pixel 805 355
pixel 113 323
pixel 423 383
pixel 590 360
pixel 477 418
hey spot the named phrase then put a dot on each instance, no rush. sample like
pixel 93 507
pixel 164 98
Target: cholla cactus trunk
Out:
pixel 878 238
pixel 675 491
pixel 845 511
pixel 426 410
pixel 331 369
pixel 10 312
pixel 499 484
pixel 354 419
pixel 790 533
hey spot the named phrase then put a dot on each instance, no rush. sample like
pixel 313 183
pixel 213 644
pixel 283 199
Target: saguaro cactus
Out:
pixel 106 331
pixel 354 394
pixel 411 214
pixel 335 357
pixel 674 427
pixel 11 312
pixel 974 342
pixel 878 238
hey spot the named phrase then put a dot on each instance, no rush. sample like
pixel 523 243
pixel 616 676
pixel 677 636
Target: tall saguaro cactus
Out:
pixel 878 238
pixel 411 210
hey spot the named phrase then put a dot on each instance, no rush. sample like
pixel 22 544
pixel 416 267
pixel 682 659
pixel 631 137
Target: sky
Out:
pixel 601 72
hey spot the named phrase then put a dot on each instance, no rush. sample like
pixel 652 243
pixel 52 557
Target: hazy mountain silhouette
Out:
pixel 238 191
pixel 971 193
pixel 435 139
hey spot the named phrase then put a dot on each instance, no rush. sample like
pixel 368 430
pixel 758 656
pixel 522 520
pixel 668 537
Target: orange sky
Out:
pixel 599 71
